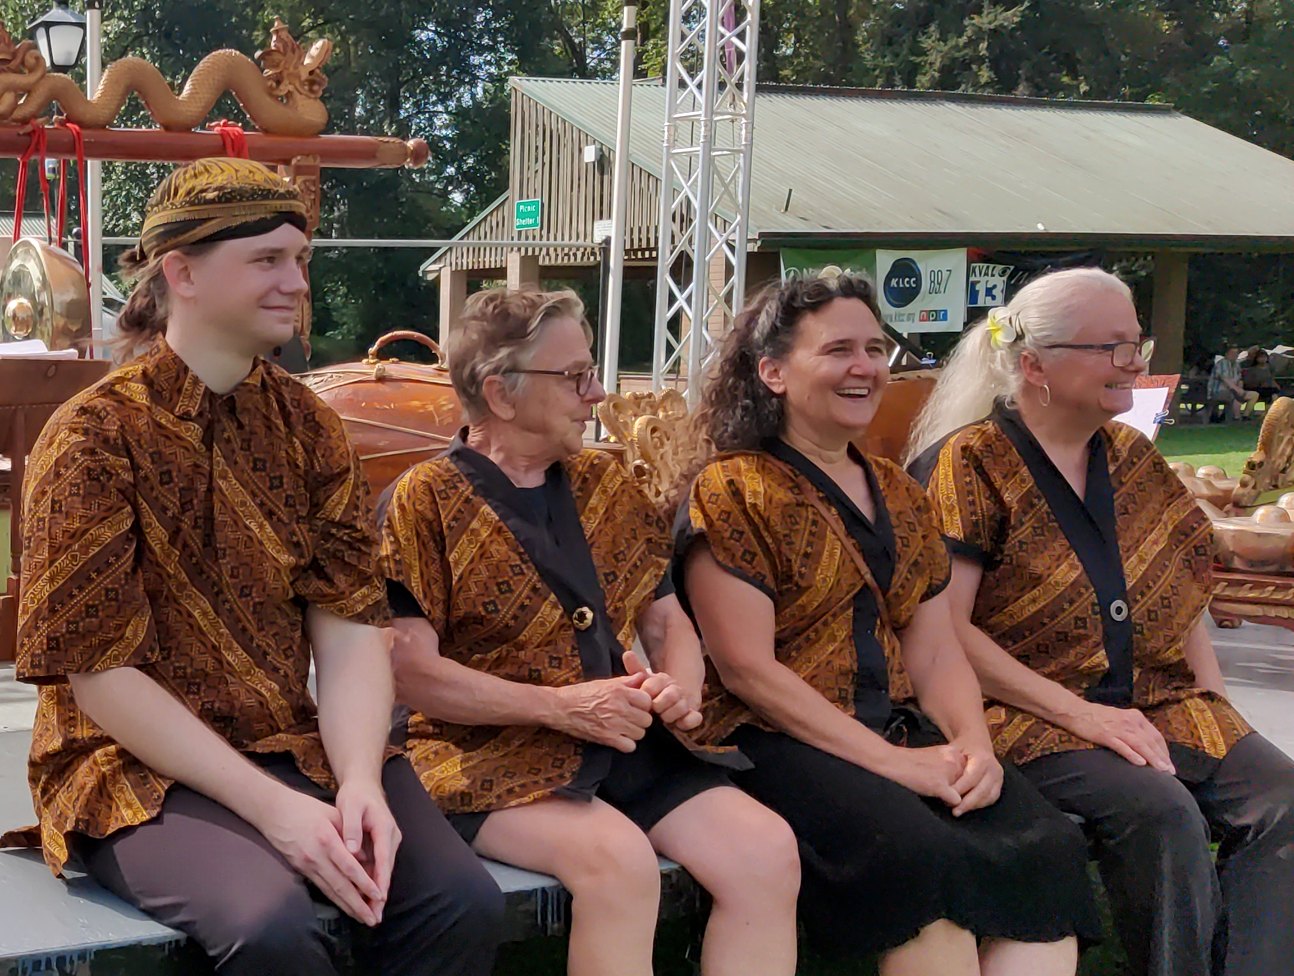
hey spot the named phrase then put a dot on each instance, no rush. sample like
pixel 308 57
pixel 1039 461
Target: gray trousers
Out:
pixel 1178 915
pixel 200 868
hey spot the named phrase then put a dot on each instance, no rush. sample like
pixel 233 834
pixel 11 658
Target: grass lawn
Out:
pixel 1226 445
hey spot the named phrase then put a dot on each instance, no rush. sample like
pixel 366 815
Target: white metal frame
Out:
pixel 705 189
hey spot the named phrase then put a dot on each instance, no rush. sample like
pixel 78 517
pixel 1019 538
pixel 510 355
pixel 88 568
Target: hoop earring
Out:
pixel 1045 389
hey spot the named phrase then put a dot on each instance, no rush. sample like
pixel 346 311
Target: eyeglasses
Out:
pixel 583 377
pixel 1122 354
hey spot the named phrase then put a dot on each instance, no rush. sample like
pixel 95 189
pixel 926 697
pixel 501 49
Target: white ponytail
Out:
pixel 985 365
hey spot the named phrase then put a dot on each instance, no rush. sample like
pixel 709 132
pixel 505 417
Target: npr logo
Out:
pixel 933 315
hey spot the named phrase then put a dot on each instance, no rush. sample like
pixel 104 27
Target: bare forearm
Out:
pixel 679 655
pixel 356 692
pixel 154 727
pixel 949 693
pixel 1203 659
pixel 790 704
pixel 670 640
pixel 1005 679
pixel 447 691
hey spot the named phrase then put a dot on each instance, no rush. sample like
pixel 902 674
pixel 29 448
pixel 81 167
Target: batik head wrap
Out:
pixel 218 199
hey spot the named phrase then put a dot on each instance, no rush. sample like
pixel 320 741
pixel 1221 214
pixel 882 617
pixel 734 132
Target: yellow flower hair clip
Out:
pixel 1002 329
pixel 831 272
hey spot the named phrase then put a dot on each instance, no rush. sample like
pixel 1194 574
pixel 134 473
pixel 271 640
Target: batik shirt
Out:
pixel 843 586
pixel 549 597
pixel 1098 594
pixel 182 532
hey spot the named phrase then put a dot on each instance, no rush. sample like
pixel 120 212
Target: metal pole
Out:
pixel 665 226
pixel 604 322
pixel 620 199
pixel 418 242
pixel 698 327
pixel 750 55
pixel 92 222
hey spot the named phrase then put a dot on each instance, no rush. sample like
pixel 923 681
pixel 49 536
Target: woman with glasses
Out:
pixel 1081 574
pixel 522 568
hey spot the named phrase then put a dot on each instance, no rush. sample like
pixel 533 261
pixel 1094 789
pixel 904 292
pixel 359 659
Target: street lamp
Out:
pixel 60 35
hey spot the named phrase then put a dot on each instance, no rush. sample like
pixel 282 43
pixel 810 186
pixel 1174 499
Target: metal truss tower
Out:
pixel 705 189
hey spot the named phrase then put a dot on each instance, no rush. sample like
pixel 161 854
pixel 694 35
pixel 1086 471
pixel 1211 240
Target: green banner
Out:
pixel 814 258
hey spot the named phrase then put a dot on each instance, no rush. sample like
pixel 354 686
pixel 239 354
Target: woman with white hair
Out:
pixel 1081 573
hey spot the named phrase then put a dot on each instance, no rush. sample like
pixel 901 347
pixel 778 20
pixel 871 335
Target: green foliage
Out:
pixel 1223 62
pixel 439 68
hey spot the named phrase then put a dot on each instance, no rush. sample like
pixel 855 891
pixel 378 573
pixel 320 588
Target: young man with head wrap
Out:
pixel 196 529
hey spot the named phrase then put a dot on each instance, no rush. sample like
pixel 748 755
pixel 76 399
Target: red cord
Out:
pixel 78 142
pixel 36 147
pixel 233 137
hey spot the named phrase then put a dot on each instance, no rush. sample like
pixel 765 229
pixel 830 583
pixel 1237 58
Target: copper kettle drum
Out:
pixel 396 413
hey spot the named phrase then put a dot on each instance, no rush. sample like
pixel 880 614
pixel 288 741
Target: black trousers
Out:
pixel 200 868
pixel 1177 914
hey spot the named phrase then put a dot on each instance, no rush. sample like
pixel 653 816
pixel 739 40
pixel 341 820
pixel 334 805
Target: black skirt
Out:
pixel 879 862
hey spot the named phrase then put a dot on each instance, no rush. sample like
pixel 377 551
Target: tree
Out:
pixel 439 68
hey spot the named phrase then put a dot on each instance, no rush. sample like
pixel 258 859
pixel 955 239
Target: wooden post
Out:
pixel 1168 311
pixel 304 172
pixel 717 324
pixel 522 269
pixel 453 294
pixel 762 267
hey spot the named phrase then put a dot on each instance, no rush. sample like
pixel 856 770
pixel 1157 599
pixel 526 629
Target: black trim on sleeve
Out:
pixel 968 550
pixel 403 603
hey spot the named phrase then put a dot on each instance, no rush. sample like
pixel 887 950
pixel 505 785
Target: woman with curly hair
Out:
pixel 815 574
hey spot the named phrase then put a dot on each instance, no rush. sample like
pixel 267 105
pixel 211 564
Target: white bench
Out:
pixel 52 926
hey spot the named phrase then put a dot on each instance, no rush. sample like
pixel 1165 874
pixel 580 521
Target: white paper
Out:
pixel 33 349
pixel 1148 406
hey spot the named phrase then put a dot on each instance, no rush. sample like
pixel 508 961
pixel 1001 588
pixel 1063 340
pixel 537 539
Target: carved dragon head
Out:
pixel 22 58
pixel 290 70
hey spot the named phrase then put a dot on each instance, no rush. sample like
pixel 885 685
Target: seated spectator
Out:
pixel 1225 385
pixel 523 566
pixel 1256 376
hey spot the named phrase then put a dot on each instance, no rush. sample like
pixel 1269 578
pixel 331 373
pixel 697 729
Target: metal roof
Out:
pixel 33 225
pixel 908 168
pixel 500 201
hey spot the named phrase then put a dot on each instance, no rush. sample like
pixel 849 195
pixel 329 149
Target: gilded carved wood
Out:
pixel 283 96
pixel 659 442
pixel 1271 467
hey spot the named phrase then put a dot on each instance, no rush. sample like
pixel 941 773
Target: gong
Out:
pixel 43 295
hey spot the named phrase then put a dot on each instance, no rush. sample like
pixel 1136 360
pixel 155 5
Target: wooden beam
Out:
pixel 522 269
pixel 762 267
pixel 1168 310
pixel 453 294
pixel 157 145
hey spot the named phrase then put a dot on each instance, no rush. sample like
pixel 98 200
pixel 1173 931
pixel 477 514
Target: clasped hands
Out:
pixel 618 711
pixel 964 774
pixel 346 849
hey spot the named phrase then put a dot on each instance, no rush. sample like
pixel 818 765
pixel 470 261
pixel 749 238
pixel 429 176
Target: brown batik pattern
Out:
pixel 754 513
pixel 494 613
pixel 1036 602
pixel 181 532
